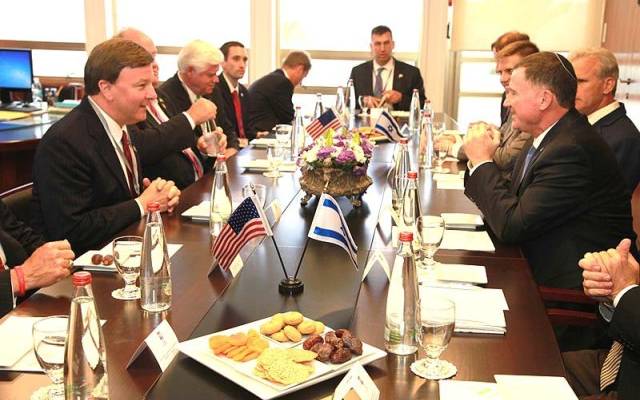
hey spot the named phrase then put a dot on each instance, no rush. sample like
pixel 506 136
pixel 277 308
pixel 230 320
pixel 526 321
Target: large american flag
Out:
pixel 245 223
pixel 325 121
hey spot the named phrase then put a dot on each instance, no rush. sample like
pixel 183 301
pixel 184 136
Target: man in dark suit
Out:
pixel 567 195
pixel 612 278
pixel 198 64
pixel 31 262
pixel 87 179
pixel 157 121
pixel 386 80
pixel 597 71
pixel 233 94
pixel 270 96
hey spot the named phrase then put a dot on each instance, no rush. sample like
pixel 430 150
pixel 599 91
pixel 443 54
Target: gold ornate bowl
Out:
pixel 334 181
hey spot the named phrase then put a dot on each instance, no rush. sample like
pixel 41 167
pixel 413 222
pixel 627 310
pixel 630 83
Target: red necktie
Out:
pixel 238 109
pixel 197 167
pixel 126 147
pixel 2 266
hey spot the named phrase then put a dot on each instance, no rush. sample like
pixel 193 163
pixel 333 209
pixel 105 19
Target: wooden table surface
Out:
pixel 333 293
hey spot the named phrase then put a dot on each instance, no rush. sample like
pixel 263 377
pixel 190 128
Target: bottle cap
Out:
pixel 406 236
pixel 81 278
pixel 154 206
pixel 404 141
pixel 412 175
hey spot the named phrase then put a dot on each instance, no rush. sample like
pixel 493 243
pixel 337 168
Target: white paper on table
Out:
pixel 477 310
pixel 527 387
pixel 84 260
pixel 462 220
pixel 15 334
pixel 475 274
pixel 265 165
pixel 467 240
pixel 199 211
pixel 266 142
pixel 21 336
pixel 450 184
pixel 468 390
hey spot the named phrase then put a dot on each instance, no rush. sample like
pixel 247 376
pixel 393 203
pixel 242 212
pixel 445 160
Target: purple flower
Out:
pixel 339 144
pixel 325 152
pixel 346 156
pixel 367 148
pixel 360 170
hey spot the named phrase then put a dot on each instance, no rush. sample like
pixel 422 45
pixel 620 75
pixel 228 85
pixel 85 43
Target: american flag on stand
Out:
pixel 245 223
pixel 325 121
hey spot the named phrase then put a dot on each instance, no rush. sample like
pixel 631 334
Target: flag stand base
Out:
pixel 291 286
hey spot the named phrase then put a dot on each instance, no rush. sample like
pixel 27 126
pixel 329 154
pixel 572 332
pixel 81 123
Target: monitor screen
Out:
pixel 16 72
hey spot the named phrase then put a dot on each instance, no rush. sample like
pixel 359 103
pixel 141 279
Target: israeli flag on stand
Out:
pixel 388 126
pixel 329 226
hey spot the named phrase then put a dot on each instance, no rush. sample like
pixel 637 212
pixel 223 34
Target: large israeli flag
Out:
pixel 330 226
pixel 388 126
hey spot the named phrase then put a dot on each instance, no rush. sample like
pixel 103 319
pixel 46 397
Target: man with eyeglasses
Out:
pixel 567 195
pixel 597 71
pixel 386 80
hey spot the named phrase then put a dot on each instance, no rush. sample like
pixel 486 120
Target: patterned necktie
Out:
pixel 126 148
pixel 611 365
pixel 378 88
pixel 157 114
pixel 238 109
pixel 527 160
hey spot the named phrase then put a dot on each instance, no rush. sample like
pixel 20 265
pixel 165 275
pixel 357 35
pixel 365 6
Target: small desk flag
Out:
pixel 388 126
pixel 325 121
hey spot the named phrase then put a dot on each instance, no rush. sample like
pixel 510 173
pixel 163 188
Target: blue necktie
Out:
pixel 527 160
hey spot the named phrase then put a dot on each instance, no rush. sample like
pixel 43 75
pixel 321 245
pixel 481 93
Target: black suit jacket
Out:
pixel 405 78
pixel 18 242
pixel 625 328
pixel 572 200
pixel 624 139
pixel 178 166
pixel 222 96
pixel 80 192
pixel 270 101
pixel 161 163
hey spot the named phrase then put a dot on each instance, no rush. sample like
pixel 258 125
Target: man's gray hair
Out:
pixel 198 54
pixel 608 65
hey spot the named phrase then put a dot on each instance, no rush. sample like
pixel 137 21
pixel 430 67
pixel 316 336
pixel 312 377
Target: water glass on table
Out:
pixel 439 150
pixel 49 336
pixel 211 140
pixel 437 319
pixel 127 254
pixel 430 233
pixel 274 156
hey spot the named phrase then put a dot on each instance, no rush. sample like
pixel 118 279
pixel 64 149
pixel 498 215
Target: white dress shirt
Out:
pixel 603 112
pixel 114 132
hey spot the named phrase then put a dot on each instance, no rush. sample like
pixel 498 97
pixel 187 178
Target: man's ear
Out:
pixel 609 85
pixel 545 99
pixel 106 89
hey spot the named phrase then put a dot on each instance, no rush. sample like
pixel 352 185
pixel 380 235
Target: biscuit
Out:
pixel 293 318
pixel 292 333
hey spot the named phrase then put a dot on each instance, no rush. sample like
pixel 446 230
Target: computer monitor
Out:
pixel 16 73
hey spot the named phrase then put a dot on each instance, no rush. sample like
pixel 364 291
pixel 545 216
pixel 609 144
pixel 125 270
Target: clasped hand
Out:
pixel 606 273
pixel 161 191
pixel 481 142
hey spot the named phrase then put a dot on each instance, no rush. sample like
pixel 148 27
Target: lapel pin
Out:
pixel 400 76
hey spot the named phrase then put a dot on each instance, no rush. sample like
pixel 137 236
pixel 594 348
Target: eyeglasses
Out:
pixel 560 59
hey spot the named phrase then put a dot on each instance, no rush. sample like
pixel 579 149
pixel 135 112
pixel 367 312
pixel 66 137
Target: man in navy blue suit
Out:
pixel 597 72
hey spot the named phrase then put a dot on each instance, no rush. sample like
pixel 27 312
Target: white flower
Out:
pixel 359 153
pixel 311 155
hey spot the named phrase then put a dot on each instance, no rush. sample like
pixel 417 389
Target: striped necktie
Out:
pixel 378 88
pixel 126 148
pixel 611 366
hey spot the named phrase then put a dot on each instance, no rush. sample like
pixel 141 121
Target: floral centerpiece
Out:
pixel 336 163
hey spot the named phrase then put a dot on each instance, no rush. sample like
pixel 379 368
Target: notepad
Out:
pixel 467 240
pixel 462 220
pixel 527 387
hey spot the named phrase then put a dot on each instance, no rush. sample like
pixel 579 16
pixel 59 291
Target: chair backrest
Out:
pixel 556 299
pixel 18 200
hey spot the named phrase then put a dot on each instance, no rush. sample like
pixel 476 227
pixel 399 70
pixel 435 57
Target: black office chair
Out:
pixel 18 200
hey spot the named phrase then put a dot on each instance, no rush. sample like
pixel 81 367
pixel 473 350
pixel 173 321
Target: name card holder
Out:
pixel 162 343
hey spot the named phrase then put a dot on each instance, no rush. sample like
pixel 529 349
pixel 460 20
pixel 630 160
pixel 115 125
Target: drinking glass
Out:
pixel 283 132
pixel 274 155
pixel 440 151
pixel 127 254
pixel 49 335
pixel 430 232
pixel 438 315
pixel 363 108
pixel 255 188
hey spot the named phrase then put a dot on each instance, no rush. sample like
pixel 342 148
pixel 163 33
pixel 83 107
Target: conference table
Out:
pixel 334 293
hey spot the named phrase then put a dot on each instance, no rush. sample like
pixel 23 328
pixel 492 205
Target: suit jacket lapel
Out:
pixel 398 76
pixel 367 79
